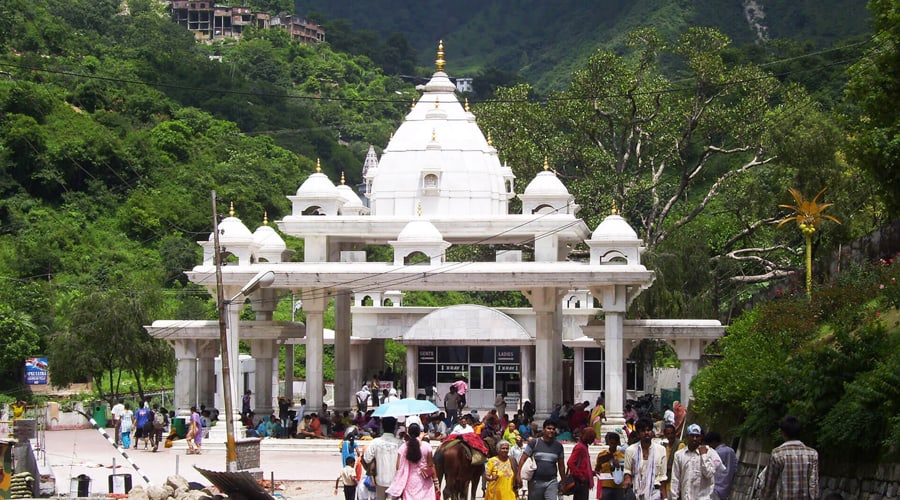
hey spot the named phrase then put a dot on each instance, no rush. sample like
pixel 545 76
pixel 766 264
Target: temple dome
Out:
pixel 267 243
pixel 317 186
pixel 614 228
pixel 420 231
pixel 546 183
pixel 233 232
pixel 439 158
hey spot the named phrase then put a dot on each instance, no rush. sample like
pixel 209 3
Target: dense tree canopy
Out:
pixel 115 126
pixel 875 88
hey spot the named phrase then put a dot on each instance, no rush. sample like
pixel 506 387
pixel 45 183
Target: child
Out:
pixel 348 477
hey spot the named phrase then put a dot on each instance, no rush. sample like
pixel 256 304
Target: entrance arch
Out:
pixel 479 342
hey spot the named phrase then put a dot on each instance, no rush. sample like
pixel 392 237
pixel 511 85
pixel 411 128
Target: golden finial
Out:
pixel 419 208
pixel 437 104
pixel 433 135
pixel 391 138
pixel 490 141
pixel 440 56
pixel 231 209
pixel 467 104
pixel 343 181
pixel 412 104
pixel 546 164
pixel 265 217
pixel 615 209
pixel 318 166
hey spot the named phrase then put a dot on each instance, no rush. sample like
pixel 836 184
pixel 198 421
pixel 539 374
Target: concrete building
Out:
pixel 211 21
pixel 438 183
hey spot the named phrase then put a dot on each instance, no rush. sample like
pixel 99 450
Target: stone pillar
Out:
pixel 412 370
pixel 289 371
pixel 614 302
pixel 578 368
pixel 207 351
pixel 234 331
pixel 359 370
pixel 527 373
pixel 343 390
pixel 263 351
pixel 689 352
pixel 546 247
pixel 314 303
pixel 548 349
pixel 185 376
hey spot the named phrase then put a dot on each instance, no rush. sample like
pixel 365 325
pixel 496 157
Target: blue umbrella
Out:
pixel 404 407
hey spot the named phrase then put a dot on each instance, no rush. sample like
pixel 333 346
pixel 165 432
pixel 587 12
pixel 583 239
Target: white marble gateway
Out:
pixel 439 182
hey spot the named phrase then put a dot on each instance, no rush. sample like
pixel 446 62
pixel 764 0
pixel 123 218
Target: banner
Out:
pixel 36 371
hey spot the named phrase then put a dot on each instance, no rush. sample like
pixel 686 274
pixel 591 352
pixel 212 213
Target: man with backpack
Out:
pixel 160 421
pixel 144 424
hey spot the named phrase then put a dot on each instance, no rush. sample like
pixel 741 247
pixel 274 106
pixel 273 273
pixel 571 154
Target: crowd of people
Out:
pixel 385 458
pixel 652 465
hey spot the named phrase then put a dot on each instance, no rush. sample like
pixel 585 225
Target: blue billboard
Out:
pixel 36 371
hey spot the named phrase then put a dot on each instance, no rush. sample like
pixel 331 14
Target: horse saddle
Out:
pixel 475 457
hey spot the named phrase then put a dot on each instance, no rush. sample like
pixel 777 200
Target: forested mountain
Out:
pixel 115 126
pixel 545 41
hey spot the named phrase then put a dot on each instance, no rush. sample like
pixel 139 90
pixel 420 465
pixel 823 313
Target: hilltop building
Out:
pixel 208 20
pixel 438 183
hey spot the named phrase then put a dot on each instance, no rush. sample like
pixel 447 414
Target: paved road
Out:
pixel 75 452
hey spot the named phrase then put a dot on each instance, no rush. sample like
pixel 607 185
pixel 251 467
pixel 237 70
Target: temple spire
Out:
pixel 440 57
pixel 231 209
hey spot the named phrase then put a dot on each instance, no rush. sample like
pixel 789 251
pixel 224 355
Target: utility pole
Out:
pixel 230 452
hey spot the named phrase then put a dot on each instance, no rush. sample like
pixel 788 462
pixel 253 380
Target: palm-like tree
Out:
pixel 808 214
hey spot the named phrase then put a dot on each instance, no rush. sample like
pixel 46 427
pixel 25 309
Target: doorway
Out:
pixel 480 395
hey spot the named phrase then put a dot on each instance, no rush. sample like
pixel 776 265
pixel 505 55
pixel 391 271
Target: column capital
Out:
pixel 545 299
pixel 613 298
pixel 688 348
pixel 315 300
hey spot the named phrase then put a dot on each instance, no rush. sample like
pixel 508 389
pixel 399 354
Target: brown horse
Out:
pixel 455 466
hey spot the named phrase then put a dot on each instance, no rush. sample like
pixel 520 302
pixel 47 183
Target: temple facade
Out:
pixel 438 183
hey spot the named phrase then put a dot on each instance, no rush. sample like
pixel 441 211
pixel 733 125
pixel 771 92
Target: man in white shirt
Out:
pixel 117 410
pixel 464 426
pixel 668 416
pixel 645 463
pixel 384 451
pixel 362 399
pixel 694 469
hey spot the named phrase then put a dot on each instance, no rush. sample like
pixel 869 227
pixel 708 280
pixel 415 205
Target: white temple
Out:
pixel 438 183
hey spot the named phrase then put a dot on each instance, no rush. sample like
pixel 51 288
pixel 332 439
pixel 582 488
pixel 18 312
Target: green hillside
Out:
pixel 545 41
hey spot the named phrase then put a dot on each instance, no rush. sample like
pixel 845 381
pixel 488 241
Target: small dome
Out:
pixel 233 232
pixel 546 183
pixel 614 228
pixel 267 241
pixel 420 230
pixel 349 196
pixel 317 186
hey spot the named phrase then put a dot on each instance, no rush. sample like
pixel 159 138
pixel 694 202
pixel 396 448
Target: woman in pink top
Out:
pixel 415 476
